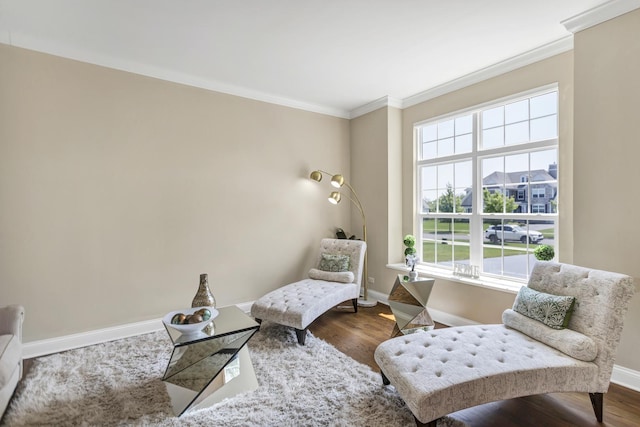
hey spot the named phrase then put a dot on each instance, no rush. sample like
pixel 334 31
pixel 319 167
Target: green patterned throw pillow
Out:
pixel 552 310
pixel 329 262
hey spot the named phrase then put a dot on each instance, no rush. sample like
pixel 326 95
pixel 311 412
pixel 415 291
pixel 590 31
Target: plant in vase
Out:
pixel 410 256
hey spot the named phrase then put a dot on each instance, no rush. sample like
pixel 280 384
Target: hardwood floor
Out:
pixel 358 335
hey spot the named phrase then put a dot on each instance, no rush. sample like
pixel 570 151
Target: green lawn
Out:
pixel 446 252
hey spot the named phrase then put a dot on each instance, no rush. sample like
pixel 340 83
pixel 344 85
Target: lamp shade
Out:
pixel 335 197
pixel 316 176
pixel 337 180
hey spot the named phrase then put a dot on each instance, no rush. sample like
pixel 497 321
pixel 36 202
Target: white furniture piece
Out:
pixel 11 318
pixel 300 303
pixel 445 370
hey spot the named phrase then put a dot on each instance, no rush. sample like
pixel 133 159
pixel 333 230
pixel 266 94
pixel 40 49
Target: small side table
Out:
pixel 408 302
pixel 213 364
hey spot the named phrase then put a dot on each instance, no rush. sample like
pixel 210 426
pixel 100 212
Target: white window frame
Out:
pixel 476 219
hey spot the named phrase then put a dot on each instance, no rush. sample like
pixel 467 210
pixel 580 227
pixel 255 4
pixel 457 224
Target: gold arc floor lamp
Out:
pixel 337 180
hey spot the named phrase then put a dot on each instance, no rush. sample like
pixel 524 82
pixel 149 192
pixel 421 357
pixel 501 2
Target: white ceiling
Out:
pixel 331 56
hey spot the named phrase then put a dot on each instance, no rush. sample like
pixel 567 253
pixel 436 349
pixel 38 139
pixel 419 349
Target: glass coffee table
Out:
pixel 213 364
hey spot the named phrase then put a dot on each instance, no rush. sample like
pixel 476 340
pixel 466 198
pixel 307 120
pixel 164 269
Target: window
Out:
pixel 538 208
pixel 487 185
pixel 538 192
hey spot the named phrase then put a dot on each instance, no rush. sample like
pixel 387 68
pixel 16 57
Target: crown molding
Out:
pixel 385 101
pixel 56 49
pixel 599 14
pixel 543 52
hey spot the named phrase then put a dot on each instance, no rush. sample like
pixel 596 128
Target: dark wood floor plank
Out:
pixel 358 335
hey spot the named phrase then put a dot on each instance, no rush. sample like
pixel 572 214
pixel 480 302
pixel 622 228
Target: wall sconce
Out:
pixel 338 181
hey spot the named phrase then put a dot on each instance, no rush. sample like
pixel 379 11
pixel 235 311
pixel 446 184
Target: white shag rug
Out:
pixel 119 384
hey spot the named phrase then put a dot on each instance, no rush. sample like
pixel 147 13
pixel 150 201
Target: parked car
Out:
pixel 515 233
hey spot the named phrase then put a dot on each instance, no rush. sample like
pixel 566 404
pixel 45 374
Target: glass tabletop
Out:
pixel 230 320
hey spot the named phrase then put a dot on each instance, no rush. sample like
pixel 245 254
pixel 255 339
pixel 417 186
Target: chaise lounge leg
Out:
pixel 302 335
pixel 355 304
pixel 429 424
pixel 385 380
pixel 597 403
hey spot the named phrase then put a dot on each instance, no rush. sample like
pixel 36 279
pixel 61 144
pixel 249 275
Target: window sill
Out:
pixel 492 283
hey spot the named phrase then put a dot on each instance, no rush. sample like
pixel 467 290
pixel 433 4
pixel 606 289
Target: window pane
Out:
pixel 545 160
pixel 461 230
pixel 445 175
pixel 445 147
pixel 429 133
pixel 429 151
pixel 463 174
pixel 428 177
pixel 516 133
pixel 429 201
pixel 516 166
pixel 429 251
pixel 445 129
pixel 516 112
pixel 492 118
pixel 492 138
pixel 544 105
pixel 446 200
pixel 464 124
pixel 464 144
pixel 544 128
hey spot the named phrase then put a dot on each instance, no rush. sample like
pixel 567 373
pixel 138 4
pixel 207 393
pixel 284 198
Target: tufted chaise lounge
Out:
pixel 300 303
pixel 445 370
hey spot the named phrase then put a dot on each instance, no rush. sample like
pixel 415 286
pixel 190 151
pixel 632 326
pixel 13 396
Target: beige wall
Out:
pixel 607 148
pixel 117 191
pixel 377 170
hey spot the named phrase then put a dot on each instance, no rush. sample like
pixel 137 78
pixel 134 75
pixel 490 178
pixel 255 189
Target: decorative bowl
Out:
pixel 189 328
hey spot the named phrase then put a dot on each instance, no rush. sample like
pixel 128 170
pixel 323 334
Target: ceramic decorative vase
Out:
pixel 413 276
pixel 204 297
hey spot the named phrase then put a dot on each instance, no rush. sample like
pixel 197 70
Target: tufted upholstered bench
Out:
pixel 445 370
pixel 300 303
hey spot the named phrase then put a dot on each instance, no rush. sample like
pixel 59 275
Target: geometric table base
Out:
pixel 212 364
pixel 408 302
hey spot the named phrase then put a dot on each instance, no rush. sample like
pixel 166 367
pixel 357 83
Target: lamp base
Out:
pixel 366 302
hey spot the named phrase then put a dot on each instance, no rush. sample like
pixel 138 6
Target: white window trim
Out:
pixel 484 280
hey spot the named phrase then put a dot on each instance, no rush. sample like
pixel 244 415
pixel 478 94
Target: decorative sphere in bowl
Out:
pixel 181 320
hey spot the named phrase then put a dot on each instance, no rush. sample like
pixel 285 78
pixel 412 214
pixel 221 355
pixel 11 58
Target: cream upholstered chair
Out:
pixel 300 303
pixel 11 318
pixel 445 370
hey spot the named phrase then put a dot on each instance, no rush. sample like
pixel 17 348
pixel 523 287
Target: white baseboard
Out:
pixel 622 376
pixel 83 339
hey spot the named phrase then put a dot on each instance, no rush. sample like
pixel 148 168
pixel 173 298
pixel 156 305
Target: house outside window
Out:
pixel 487 185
